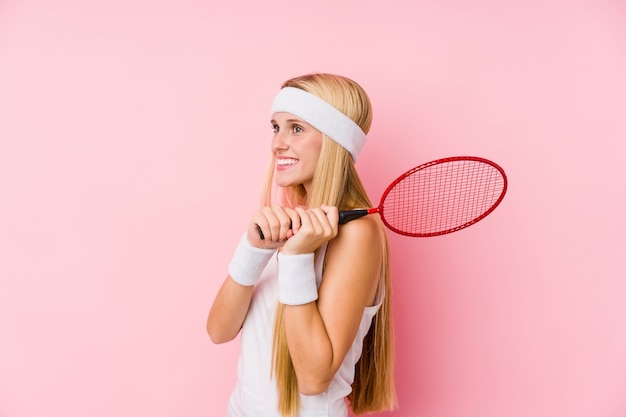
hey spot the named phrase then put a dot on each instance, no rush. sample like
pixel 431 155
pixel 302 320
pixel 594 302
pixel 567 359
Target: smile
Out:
pixel 286 161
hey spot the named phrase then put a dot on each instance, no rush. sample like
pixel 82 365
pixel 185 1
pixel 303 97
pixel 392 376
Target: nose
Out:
pixel 279 141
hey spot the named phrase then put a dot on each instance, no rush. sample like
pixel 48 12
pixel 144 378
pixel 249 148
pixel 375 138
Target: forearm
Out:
pixel 233 299
pixel 310 348
pixel 309 343
pixel 228 311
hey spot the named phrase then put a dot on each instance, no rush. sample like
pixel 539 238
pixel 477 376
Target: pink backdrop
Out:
pixel 133 135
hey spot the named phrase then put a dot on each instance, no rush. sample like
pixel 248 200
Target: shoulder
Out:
pixel 359 238
pixel 354 261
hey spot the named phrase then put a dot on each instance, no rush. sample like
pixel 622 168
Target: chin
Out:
pixel 284 181
pixel 283 184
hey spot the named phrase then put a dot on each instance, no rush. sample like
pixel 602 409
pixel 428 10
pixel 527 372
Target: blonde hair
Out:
pixel 337 183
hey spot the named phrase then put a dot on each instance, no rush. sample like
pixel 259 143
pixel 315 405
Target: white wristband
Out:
pixel 296 279
pixel 248 262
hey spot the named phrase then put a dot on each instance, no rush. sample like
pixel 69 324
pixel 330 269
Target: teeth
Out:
pixel 286 161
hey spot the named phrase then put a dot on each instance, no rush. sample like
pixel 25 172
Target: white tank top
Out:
pixel 255 394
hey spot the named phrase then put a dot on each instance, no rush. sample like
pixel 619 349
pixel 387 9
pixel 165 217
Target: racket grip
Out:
pixel 346 216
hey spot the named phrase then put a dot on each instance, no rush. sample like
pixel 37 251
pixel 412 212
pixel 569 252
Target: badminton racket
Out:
pixel 438 197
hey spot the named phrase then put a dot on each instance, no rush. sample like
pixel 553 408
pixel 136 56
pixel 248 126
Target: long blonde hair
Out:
pixel 337 183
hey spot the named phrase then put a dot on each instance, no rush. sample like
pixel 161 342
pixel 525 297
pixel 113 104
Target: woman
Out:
pixel 311 298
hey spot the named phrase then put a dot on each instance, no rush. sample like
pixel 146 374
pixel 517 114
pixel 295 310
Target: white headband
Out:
pixel 321 116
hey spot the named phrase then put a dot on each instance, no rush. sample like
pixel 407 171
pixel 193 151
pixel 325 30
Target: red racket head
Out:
pixel 443 196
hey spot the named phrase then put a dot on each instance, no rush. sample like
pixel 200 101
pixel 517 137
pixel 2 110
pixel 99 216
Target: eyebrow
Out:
pixel 292 121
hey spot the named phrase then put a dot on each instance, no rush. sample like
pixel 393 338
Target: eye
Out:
pixel 297 129
pixel 275 128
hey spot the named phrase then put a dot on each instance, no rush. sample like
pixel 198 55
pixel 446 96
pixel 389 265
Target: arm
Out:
pixel 228 311
pixel 232 301
pixel 320 333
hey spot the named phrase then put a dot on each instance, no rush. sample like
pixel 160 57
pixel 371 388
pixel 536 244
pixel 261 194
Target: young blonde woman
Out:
pixel 311 298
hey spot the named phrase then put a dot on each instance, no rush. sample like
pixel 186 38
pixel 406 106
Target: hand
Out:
pixel 315 227
pixel 276 223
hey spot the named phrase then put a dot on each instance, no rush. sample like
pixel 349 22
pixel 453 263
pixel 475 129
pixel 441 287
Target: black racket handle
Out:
pixel 345 216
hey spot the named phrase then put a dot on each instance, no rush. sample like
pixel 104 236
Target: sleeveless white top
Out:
pixel 255 394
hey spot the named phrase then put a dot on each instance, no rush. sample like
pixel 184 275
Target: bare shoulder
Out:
pixel 353 262
pixel 364 234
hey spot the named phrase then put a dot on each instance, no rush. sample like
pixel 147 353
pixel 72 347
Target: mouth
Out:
pixel 286 162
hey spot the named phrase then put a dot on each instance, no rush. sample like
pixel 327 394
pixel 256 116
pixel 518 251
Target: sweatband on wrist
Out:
pixel 248 262
pixel 322 116
pixel 296 279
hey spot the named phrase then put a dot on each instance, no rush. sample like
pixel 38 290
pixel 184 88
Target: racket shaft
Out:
pixel 346 216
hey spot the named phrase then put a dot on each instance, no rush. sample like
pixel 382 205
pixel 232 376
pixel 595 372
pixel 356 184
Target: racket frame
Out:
pixel 348 215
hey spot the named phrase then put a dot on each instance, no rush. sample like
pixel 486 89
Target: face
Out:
pixel 296 146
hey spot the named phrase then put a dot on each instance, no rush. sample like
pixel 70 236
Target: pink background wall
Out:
pixel 133 135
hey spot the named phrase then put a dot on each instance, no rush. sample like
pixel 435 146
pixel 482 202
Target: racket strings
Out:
pixel 442 197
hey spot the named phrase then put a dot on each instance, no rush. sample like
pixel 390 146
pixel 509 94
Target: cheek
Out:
pixel 316 146
pixel 316 150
